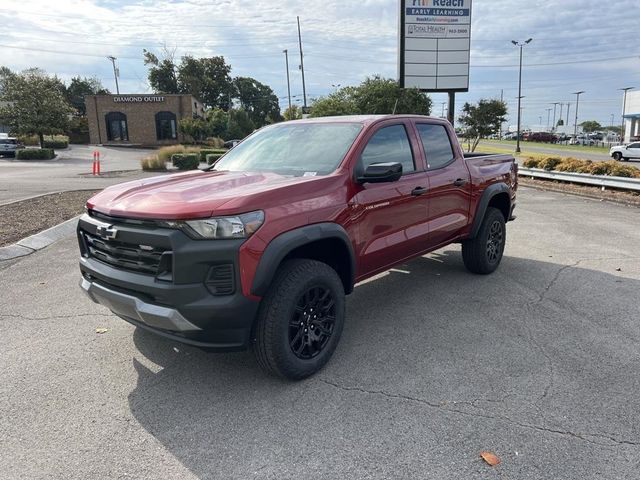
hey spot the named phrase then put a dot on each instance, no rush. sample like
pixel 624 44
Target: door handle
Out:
pixel 419 191
pixel 460 182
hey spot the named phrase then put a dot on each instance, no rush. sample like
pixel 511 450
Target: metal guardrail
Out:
pixel 603 181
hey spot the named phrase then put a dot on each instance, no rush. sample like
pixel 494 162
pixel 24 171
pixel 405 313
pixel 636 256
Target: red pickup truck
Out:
pixel 260 249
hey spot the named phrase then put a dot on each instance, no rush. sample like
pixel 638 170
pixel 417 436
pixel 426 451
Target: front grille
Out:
pixel 132 257
pixel 220 280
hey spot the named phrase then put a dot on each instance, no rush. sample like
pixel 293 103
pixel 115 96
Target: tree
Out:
pixel 293 113
pixel 376 95
pixel 196 128
pixel 258 100
pixel 590 126
pixel 162 73
pixel 208 79
pixel 78 88
pixel 239 126
pixel 36 105
pixel 5 76
pixel 483 119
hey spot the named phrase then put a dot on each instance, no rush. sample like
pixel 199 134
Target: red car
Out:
pixel 542 137
pixel 260 249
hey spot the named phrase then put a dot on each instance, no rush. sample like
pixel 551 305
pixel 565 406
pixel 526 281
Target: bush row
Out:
pixel 213 158
pixel 205 152
pixel 56 143
pixel 575 165
pixel 35 154
pixel 185 161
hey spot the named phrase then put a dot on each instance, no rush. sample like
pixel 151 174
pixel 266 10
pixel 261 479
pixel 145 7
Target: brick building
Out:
pixel 141 120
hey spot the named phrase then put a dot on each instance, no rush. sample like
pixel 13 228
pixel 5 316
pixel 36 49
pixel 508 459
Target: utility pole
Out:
pixel 443 104
pixel 286 59
pixel 115 72
pixel 519 90
pixel 575 124
pixel 304 88
pixel 624 111
pixel 567 122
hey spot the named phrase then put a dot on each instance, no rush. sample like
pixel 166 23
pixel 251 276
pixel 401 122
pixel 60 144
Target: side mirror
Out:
pixel 381 172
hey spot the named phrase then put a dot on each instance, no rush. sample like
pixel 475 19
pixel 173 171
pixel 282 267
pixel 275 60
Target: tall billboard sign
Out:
pixel 435 38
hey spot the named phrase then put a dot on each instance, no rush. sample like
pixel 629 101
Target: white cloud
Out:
pixel 343 43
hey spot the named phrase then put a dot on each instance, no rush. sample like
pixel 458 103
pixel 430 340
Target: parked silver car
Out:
pixel 9 145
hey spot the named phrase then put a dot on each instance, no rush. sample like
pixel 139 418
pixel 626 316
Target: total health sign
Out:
pixel 435 39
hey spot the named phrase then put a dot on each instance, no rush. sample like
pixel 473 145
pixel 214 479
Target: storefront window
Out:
pixel 166 126
pixel 117 127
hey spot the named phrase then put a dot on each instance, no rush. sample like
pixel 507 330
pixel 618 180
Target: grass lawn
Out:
pixel 558 146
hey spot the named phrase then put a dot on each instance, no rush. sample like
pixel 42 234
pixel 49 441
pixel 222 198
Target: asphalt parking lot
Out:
pixel 538 363
pixel 70 170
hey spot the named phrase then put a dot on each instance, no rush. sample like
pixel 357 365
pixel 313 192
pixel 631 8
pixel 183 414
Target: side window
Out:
pixel 389 144
pixel 436 143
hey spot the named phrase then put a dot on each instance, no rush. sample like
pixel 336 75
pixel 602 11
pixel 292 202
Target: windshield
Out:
pixel 299 149
pixel 8 141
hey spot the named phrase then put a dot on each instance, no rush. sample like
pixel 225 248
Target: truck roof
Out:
pixel 364 119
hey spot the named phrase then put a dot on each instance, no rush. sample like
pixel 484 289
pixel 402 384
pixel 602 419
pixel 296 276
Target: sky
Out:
pixel 577 45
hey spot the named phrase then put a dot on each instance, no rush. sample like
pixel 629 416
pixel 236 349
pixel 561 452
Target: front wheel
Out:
pixel 617 156
pixel 483 253
pixel 300 319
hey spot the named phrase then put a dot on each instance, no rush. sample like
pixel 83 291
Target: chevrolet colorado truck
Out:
pixel 260 249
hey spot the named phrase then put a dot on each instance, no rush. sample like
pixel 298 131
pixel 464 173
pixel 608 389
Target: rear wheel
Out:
pixel 300 319
pixel 483 253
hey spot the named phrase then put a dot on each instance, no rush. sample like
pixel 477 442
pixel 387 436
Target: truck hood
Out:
pixel 200 194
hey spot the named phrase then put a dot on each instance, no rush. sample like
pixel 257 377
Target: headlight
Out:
pixel 239 226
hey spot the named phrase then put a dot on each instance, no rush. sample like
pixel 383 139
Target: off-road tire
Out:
pixel 280 306
pixel 483 253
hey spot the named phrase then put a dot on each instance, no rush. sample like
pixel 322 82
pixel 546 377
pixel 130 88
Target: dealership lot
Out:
pixel 71 170
pixel 538 363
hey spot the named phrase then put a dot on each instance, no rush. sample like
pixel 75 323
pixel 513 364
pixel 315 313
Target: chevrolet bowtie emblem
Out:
pixel 107 232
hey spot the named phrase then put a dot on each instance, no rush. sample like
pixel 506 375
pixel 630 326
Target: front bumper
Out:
pixel 179 305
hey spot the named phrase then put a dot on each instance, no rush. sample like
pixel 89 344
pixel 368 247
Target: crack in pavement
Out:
pixel 443 406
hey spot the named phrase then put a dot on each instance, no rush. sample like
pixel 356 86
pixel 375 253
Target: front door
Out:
pixel 391 217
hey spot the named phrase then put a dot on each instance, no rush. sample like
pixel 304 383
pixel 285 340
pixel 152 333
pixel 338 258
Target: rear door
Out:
pixel 449 196
pixel 391 217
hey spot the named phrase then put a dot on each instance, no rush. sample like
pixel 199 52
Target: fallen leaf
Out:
pixel 102 330
pixel 490 458
pixel 618 269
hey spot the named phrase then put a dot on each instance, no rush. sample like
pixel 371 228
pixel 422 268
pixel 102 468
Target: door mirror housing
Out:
pixel 381 173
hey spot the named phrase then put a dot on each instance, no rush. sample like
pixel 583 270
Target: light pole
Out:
pixel 286 59
pixel 115 72
pixel 548 116
pixel 624 111
pixel 443 104
pixel 555 104
pixel 567 122
pixel 575 124
pixel 304 87
pixel 520 89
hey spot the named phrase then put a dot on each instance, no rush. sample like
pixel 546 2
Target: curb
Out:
pixel 36 242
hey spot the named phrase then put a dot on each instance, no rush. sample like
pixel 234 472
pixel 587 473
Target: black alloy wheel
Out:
pixel 312 323
pixel 495 241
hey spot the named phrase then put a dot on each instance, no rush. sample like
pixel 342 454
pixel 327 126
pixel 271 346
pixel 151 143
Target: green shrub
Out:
pixel 185 161
pixel 165 153
pixel 210 151
pixel 549 163
pixel 35 154
pixel 213 158
pixel 574 165
pixel 29 140
pixel 531 162
pixel 56 143
pixel 153 163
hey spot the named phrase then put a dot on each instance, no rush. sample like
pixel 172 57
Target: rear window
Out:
pixel 436 143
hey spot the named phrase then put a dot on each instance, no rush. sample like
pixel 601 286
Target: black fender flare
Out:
pixel 284 243
pixel 489 192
